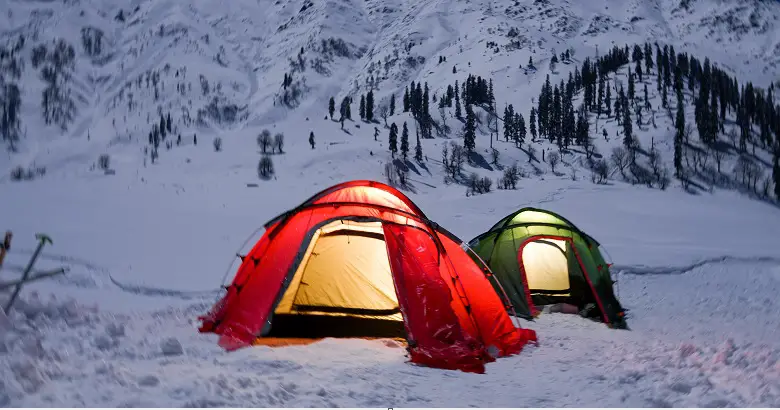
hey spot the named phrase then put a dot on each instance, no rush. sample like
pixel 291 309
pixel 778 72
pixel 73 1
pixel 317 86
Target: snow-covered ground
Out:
pixel 699 274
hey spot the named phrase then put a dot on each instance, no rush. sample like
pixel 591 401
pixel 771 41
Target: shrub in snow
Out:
pixel 599 172
pixel 265 168
pixel 510 178
pixel 21 174
pixel 103 342
pixel 115 330
pixel 217 144
pixel 104 161
pixel 171 347
pixel 477 185
pixel 148 381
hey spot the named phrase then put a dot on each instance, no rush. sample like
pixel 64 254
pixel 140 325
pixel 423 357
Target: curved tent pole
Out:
pixel 230 266
pixel 503 295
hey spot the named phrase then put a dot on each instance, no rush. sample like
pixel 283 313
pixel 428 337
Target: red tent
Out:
pixel 363 250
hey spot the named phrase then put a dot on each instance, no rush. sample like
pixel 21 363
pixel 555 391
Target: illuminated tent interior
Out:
pixel 360 259
pixel 342 287
pixel 540 258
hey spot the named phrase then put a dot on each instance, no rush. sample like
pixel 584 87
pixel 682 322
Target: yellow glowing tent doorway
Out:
pixel 345 271
pixel 546 267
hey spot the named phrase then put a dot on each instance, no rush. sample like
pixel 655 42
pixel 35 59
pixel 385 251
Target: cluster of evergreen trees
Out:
pixel 555 115
pixel 416 100
pixel 711 90
pixel 367 106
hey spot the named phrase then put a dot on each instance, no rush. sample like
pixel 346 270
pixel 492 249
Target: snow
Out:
pixel 148 247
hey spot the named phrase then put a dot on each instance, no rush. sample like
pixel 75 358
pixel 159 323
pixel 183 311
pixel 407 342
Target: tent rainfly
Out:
pixel 540 258
pixel 361 259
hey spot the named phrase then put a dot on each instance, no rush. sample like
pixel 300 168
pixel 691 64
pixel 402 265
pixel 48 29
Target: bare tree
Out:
pixel 687 133
pixel 384 112
pixel 444 129
pixel 453 158
pixel 511 177
pixel 531 153
pixel 718 154
pixel 264 140
pixel 554 158
pixel 279 142
pixel 742 169
pixel 494 154
pixel 732 134
pixel 599 172
pixel 391 174
pixel 620 160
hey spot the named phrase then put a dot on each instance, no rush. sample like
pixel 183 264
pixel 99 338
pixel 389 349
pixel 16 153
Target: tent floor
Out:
pixel 293 327
pixel 300 341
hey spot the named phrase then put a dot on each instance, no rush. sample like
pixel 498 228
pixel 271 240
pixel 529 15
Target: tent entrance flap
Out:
pixel 546 267
pixel 345 272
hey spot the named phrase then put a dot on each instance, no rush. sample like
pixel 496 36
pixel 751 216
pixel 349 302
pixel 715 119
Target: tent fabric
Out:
pixel 453 317
pixel 518 251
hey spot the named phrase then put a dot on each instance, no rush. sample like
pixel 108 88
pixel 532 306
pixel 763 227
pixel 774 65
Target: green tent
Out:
pixel 540 258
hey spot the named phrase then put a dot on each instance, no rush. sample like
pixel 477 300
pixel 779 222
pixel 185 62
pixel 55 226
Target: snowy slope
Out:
pixel 148 246
pixel 701 306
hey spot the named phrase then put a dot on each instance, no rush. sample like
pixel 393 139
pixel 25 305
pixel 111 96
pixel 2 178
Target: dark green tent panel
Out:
pixel 540 258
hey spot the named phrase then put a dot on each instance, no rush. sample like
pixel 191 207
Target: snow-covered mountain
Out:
pixel 223 67
pixel 147 241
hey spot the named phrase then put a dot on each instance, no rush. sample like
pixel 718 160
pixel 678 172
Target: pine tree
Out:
pixel 600 96
pixel 470 134
pixel 776 174
pixel 362 107
pixel 392 104
pixel 531 63
pixel 161 127
pixel 570 122
pixel 638 71
pixel 418 153
pixel 582 137
pixel 647 99
pixel 417 101
pixel 648 58
pixel 406 100
pixel 458 114
pixel 554 121
pixel 311 139
pixel 520 129
pixel 608 102
pixel 509 115
pixel 370 106
pixel 168 124
pixel 678 139
pixel 331 107
pixel 394 139
pixel 628 140
pixel 532 124
pixel 631 86
pixel 405 142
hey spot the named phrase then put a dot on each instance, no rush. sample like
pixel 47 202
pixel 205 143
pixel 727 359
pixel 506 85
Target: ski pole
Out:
pixel 42 239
